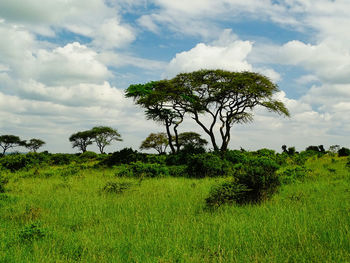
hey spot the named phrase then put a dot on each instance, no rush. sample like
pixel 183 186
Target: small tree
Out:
pixel 191 139
pixel 34 144
pixel 10 141
pixel 104 136
pixel 81 140
pixel 157 141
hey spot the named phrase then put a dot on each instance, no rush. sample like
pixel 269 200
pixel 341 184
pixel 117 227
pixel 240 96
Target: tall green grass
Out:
pixel 47 217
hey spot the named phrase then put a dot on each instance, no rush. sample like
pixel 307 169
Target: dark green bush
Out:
pixel 116 187
pixel 291 174
pixel 259 176
pixel 208 165
pixel 155 158
pixel 88 156
pixel 255 182
pixel 15 162
pixel 235 156
pixel 226 193
pixel 140 169
pixel 62 158
pixel 124 156
pixel 32 232
pixel 343 152
pixel 69 171
pixel 178 170
pixel 3 182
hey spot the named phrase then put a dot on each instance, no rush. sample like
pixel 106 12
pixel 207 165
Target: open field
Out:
pixel 47 217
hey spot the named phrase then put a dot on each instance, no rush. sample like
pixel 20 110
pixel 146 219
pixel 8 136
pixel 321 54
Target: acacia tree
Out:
pixel 81 140
pixel 157 141
pixel 221 97
pixel 10 141
pixel 104 136
pixel 34 144
pixel 158 98
pixel 225 98
pixel 191 139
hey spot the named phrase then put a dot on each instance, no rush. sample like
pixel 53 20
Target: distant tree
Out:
pixel 157 141
pixel 160 101
pixel 289 151
pixel 334 148
pixel 34 144
pixel 104 136
pixel 192 139
pixel 81 140
pixel 343 152
pixel 10 141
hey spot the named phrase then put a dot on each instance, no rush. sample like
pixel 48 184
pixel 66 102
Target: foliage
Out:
pixel 318 149
pixel 10 141
pixel 62 158
pixel 87 156
pixel 104 136
pixel 226 97
pixel 208 165
pixel 34 144
pixel 82 139
pixel 124 156
pixel 32 232
pixel 178 170
pixel 140 170
pixel 157 141
pixel 228 192
pixel 191 140
pixel 291 174
pixel 3 182
pixel 258 174
pixel 289 151
pixel 116 187
pixel 158 98
pixel 156 158
pixel 235 156
pixel 343 152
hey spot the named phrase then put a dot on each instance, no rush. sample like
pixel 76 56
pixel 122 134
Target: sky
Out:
pixel 64 65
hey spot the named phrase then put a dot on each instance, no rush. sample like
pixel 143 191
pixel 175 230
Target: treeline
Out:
pixel 253 176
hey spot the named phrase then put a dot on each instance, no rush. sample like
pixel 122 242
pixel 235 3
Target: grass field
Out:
pixel 47 217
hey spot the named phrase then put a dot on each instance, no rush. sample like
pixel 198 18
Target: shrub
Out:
pixel 343 152
pixel 155 158
pixel 235 156
pixel 178 170
pixel 291 174
pixel 116 188
pixel 15 162
pixel 140 169
pixel 208 165
pixel 62 158
pixel 259 176
pixel 31 232
pixel 124 156
pixel 3 182
pixel 87 156
pixel 226 193
pixel 256 181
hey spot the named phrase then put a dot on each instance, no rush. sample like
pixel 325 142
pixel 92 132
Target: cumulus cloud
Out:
pixel 202 56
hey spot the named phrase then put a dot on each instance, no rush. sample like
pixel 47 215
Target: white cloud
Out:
pixel 202 56
pixel 73 63
pixel 111 34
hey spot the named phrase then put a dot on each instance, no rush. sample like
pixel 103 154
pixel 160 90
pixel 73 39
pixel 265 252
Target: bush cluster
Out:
pixel 141 170
pixel 254 182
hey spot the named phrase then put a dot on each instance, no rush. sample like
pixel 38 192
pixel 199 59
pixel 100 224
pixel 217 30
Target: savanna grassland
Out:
pixel 85 213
